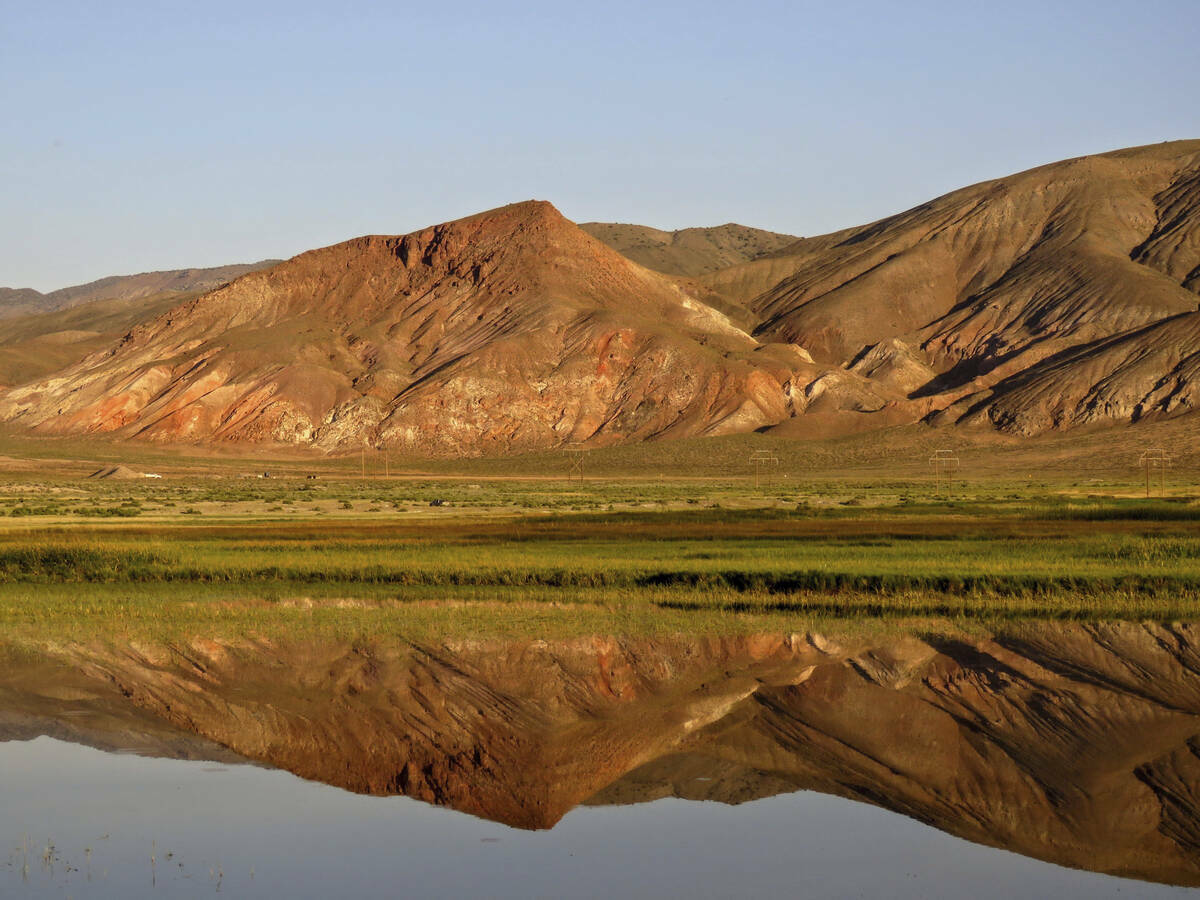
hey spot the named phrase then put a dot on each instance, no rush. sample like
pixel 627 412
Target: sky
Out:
pixel 145 136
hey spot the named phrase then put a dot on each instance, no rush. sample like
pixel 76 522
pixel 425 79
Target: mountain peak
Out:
pixel 508 330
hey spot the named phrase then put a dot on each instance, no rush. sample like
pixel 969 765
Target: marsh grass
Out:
pixel 685 570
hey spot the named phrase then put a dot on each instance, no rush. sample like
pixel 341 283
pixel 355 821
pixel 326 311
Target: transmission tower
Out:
pixel 576 455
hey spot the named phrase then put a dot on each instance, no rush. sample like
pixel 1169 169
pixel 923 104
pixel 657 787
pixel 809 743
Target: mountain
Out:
pixel 1074 743
pixel 1021 294
pixel 20 301
pixel 26 301
pixel 1060 297
pixel 504 331
pixel 689 252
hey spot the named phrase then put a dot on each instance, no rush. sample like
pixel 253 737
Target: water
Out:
pixel 1047 761
pixel 245 831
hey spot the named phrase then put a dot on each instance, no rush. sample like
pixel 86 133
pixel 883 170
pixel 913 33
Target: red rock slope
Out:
pixel 509 330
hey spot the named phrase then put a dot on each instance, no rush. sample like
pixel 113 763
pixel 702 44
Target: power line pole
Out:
pixel 763 461
pixel 1156 459
pixel 945 464
pixel 576 456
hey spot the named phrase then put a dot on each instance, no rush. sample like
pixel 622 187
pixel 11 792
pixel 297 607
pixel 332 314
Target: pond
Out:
pixel 1049 759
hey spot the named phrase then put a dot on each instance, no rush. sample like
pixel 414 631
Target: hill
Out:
pixel 1012 299
pixel 36 345
pixel 26 301
pixel 1061 297
pixel 689 252
pixel 505 331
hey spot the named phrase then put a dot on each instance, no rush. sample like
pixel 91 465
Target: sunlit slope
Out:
pixel 689 251
pixel 982 284
pixel 508 330
pixel 1060 297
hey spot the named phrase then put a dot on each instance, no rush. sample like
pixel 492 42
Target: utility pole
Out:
pixel 764 462
pixel 1158 459
pixel 945 464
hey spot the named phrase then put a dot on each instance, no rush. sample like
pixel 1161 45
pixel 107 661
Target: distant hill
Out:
pixel 20 301
pixel 691 251
pixel 36 345
pixel 26 301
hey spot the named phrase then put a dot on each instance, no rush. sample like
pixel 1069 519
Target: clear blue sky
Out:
pixel 160 135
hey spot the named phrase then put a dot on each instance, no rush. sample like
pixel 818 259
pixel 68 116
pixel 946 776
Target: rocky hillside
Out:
pixel 505 331
pixel 690 251
pixel 1077 744
pixel 1060 297
pixel 1028 298
pixel 26 301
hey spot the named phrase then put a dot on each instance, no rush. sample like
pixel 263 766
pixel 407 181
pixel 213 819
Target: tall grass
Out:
pixel 690 571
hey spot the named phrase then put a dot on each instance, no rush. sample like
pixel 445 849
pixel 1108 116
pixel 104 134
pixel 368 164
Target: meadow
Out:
pixel 420 557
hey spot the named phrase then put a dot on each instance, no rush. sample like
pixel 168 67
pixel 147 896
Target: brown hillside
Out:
pixel 1147 373
pixel 1059 297
pixel 508 330
pixel 1005 266
pixel 690 252
pixel 34 346
pixel 26 301
pixel 1041 269
pixel 20 301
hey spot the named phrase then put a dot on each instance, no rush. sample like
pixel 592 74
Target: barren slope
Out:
pixel 983 283
pixel 1059 297
pixel 508 330
pixel 689 251
pixel 35 346
pixel 26 301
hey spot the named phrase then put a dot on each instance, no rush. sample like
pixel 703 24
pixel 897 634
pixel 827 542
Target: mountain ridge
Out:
pixel 1059 297
pixel 408 340
pixel 26 301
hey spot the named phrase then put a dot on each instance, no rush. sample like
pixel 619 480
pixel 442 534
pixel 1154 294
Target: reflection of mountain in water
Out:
pixel 1075 744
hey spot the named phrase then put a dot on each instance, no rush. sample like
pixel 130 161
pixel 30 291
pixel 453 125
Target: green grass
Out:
pixel 688 569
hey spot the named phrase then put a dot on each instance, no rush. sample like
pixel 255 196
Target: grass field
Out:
pixel 178 557
pixel 659 537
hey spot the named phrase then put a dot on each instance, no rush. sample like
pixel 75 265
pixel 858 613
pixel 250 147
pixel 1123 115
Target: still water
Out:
pixel 1053 760
pixel 245 831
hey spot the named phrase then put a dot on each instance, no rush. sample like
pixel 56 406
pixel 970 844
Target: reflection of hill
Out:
pixel 44 697
pixel 1075 744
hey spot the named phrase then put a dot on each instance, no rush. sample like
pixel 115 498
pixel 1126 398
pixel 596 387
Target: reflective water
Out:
pixel 801 764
